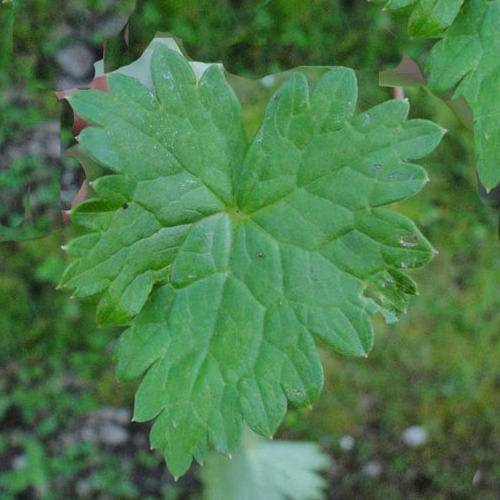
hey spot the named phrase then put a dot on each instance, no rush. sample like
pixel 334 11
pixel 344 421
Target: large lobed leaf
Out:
pixel 226 258
pixel 465 60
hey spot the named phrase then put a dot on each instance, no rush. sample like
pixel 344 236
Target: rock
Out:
pixel 112 434
pixel 372 469
pixel 347 443
pixel 76 61
pixel 119 415
pixel 19 462
pixel 415 436
pixel 88 434
pixel 68 438
pixel 111 26
pixel 83 488
pixel 66 83
pixel 46 140
pixel 106 426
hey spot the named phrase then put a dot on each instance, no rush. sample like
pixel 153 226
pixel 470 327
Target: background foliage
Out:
pixel 437 369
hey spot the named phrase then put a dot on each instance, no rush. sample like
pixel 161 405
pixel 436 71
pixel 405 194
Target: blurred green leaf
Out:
pixel 468 56
pixel 274 470
pixel 465 63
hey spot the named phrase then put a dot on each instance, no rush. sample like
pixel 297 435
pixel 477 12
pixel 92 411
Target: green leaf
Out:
pixel 468 56
pixel 431 17
pixel 465 62
pixel 428 18
pixel 226 258
pixel 275 470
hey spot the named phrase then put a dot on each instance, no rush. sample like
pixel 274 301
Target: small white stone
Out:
pixel 415 436
pixel 76 61
pixel 20 462
pixel 112 434
pixel 372 469
pixel 346 443
pixel 88 434
pixel 83 488
pixel 121 416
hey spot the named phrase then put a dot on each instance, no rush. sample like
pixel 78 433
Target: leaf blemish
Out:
pixel 409 240
pixel 376 169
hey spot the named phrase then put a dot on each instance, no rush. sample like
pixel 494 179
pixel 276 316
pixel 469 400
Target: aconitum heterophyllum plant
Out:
pixel 226 257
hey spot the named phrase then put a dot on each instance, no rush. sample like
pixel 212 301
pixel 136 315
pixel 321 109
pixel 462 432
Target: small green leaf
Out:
pixel 226 259
pixel 431 17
